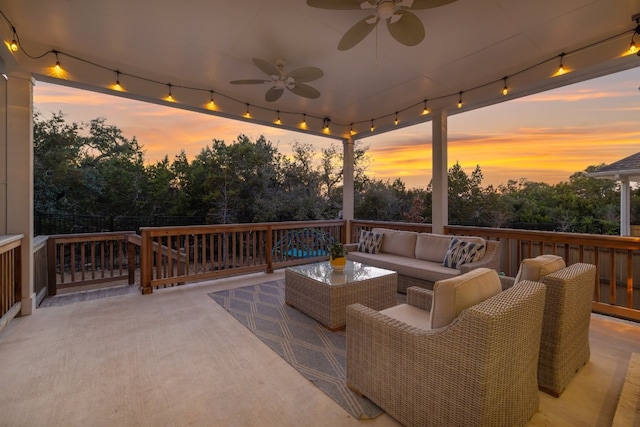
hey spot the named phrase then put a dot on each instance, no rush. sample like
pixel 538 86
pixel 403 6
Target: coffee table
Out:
pixel 324 294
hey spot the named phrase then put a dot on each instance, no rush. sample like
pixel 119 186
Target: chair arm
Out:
pixel 507 282
pixel 420 297
pixel 491 258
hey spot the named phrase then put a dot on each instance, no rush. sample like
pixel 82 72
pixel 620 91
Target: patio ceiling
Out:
pixel 200 46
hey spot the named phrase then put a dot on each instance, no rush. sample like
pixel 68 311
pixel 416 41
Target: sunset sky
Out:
pixel 545 137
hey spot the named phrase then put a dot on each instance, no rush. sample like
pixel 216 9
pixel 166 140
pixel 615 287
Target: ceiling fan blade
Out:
pixel 308 74
pixel 357 33
pixel 335 4
pixel 305 90
pixel 249 82
pixel 408 30
pixel 267 67
pixel 427 4
pixel 273 94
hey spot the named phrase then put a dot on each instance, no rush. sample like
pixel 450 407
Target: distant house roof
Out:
pixel 627 168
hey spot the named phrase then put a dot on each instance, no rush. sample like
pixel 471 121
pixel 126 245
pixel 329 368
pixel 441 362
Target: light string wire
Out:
pixel 325 119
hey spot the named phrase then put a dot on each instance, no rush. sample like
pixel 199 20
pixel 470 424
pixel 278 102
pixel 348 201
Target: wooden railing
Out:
pixel 40 273
pixel 617 291
pixel 75 260
pixel 174 255
pixel 10 278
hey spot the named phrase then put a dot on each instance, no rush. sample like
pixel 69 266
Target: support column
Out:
pixel 20 176
pixel 625 207
pixel 440 204
pixel 347 185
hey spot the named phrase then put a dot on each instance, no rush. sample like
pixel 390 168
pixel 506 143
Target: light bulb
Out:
pixel 303 125
pixel 351 131
pixel 426 109
pixel 395 122
pixel 633 48
pixel 372 126
pixel 460 101
pixel 212 104
pixel 505 91
pixel 14 45
pixel 278 121
pixel 58 67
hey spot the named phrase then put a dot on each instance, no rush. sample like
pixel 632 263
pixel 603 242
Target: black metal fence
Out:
pixel 50 224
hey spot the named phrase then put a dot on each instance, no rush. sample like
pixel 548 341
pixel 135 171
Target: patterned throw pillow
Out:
pixel 370 242
pixel 461 252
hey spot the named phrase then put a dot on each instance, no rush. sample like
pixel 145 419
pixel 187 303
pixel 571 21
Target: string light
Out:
pixel 117 85
pixel 303 125
pixel 278 121
pixel 395 122
pixel 14 44
pixel 632 45
pixel 561 69
pixel 170 96
pixel 425 111
pixel 325 124
pixel 58 67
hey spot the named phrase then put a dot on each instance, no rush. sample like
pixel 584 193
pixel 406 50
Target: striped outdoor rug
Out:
pixel 317 353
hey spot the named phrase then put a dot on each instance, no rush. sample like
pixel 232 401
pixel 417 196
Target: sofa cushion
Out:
pixel 396 242
pixel 410 315
pixel 452 296
pixel 369 242
pixel 535 268
pixel 462 252
pixel 420 269
pixel 432 247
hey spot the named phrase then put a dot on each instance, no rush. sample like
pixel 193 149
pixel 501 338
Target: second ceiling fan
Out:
pixel 403 25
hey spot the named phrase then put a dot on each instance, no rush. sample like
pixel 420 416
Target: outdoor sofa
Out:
pixel 421 259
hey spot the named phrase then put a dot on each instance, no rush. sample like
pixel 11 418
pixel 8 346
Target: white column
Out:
pixel 625 207
pixel 20 176
pixel 440 205
pixel 347 185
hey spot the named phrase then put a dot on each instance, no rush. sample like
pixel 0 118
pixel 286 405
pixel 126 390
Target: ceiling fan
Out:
pixel 403 25
pixel 294 81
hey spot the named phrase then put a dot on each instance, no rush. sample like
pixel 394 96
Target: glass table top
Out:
pixel 353 272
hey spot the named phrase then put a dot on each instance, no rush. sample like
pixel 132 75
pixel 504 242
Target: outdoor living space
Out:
pixel 176 357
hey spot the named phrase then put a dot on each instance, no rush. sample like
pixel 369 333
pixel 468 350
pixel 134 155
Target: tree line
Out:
pixel 92 169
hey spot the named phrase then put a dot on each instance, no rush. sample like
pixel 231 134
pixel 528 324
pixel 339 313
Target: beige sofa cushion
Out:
pixel 432 247
pixel 451 296
pixel 396 242
pixel 535 268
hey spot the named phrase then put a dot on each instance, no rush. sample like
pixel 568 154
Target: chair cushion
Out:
pixel 369 242
pixel 452 296
pixel 410 315
pixel 462 252
pixel 535 268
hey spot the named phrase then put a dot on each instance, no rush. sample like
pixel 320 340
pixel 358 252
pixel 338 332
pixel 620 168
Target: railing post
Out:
pixel 146 264
pixel 269 245
pixel 51 267
pixel 131 261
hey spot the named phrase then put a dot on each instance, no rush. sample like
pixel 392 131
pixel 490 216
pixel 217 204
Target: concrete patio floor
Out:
pixel 176 358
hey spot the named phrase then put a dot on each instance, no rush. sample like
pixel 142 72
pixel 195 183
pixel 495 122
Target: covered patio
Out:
pixel 178 358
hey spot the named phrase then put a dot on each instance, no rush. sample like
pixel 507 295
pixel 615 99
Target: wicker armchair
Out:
pixel 564 346
pixel 480 370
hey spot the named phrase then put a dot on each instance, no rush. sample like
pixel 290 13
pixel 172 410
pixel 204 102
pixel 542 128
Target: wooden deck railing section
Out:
pixel 196 253
pixel 76 260
pixel 617 291
pixel 168 256
pixel 40 273
pixel 10 278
